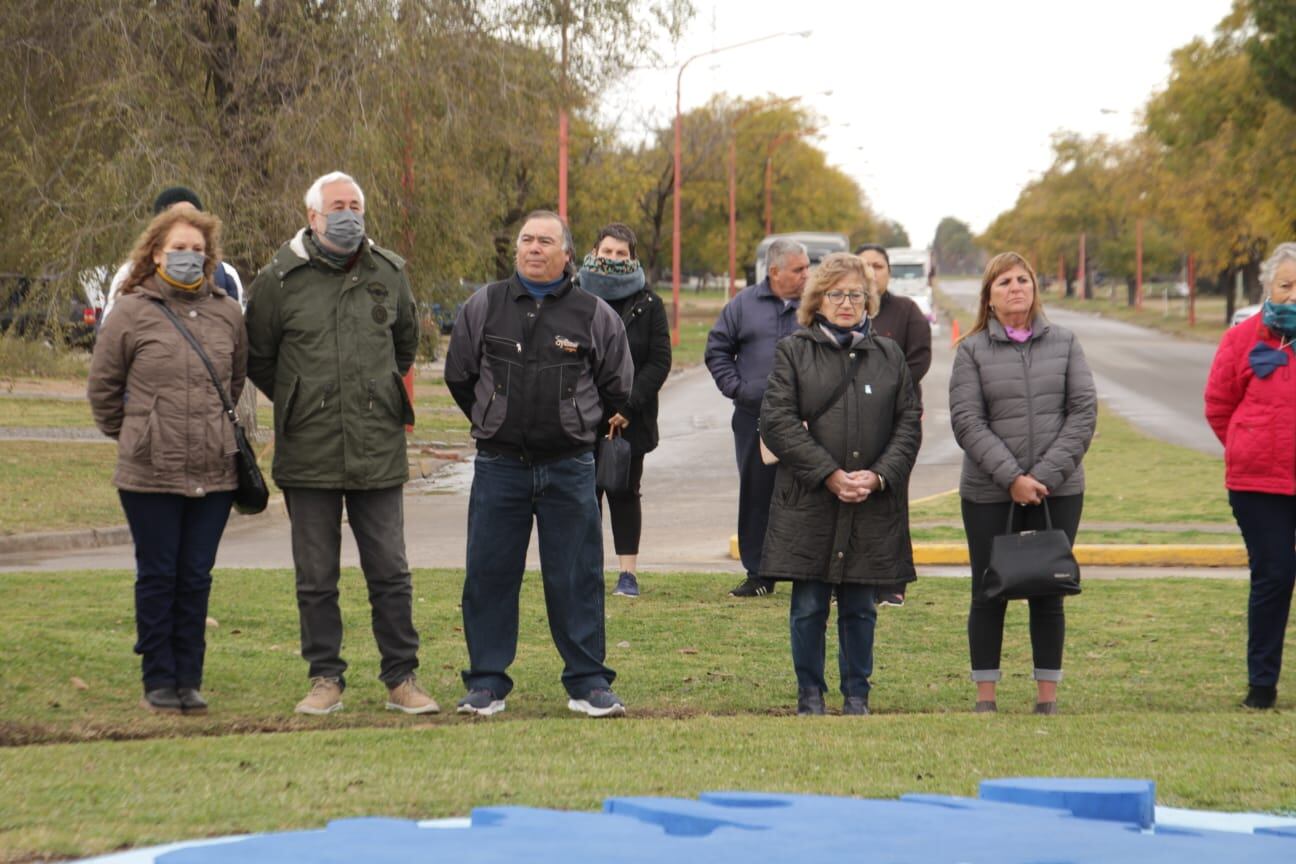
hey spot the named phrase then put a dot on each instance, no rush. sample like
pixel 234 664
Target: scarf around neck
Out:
pixel 609 279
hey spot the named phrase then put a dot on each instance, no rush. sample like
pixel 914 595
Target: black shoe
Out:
pixel 482 702
pixel 164 700
pixel 753 587
pixel 1260 697
pixel 599 702
pixel 1046 708
pixel 191 701
pixel 809 702
pixel 855 705
pixel 986 706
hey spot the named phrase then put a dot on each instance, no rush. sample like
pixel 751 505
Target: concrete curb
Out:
pixel 1092 554
pixel 64 541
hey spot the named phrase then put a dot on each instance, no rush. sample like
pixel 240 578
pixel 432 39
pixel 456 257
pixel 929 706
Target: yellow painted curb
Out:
pixel 733 547
pixel 1109 555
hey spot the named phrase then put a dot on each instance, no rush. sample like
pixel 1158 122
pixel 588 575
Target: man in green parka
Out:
pixel 331 331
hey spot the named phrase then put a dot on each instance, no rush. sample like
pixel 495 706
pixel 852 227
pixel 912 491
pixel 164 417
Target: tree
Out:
pixel 1273 48
pixel 892 234
pixel 954 249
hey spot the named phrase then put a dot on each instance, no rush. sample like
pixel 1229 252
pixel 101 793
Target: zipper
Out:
pixel 1030 407
pixel 516 346
pixel 328 391
pixel 371 394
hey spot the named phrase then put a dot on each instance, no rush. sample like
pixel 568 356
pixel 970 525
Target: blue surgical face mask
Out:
pixel 1280 317
pixel 185 267
pixel 345 229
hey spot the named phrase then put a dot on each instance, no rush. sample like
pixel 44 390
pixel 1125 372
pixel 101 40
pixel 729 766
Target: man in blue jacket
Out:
pixel 740 355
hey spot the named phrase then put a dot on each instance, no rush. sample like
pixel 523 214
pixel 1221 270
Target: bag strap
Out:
pixel 202 355
pixel 841 388
pixel 1012 508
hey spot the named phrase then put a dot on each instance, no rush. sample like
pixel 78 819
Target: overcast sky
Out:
pixel 950 103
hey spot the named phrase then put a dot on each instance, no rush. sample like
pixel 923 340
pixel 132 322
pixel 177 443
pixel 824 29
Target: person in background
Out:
pixel 842 415
pixel 740 355
pixel 225 276
pixel 1023 408
pixel 612 272
pixel 151 392
pixel 897 318
pixel 1251 406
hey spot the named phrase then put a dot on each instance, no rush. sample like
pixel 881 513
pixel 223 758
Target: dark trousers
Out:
pixel 377 518
pixel 627 513
pixel 175 547
pixel 755 490
pixel 1268 524
pixel 507 495
pixel 856 621
pixel 982 523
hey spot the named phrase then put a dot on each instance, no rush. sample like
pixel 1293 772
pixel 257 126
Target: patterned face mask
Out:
pixel 611 266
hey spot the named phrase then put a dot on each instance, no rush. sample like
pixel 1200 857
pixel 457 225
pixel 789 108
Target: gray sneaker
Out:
pixel 627 585
pixel 810 702
pixel 855 705
pixel 483 703
pixel 598 703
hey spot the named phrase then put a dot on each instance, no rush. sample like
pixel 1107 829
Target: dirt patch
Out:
pixel 47 388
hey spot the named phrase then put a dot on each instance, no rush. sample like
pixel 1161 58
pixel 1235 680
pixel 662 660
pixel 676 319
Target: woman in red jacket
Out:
pixel 1251 406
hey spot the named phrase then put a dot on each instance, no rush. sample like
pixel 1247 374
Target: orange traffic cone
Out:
pixel 954 332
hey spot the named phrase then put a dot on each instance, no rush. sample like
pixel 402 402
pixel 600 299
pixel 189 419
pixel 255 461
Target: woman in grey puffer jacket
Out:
pixel 1023 407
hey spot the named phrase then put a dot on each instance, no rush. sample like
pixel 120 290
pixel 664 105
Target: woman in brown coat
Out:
pixel 151 392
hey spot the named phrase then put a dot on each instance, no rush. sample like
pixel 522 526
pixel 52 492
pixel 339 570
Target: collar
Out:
pixel 764 291
pixel 1038 325
pixel 516 290
pixel 157 288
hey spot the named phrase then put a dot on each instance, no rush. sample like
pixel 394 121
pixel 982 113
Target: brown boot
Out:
pixel 410 698
pixel 325 697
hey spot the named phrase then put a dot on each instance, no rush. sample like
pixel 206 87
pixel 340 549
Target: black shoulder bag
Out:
pixel 251 496
pixel 1030 564
pixel 767 455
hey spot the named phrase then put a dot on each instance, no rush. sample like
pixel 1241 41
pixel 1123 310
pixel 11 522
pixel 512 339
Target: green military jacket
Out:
pixel 329 347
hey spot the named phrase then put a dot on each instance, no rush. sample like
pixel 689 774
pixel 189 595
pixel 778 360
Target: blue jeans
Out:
pixel 507 495
pixel 856 621
pixel 175 549
pixel 1268 524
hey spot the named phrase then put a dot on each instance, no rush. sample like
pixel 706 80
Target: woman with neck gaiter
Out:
pixel 612 272
pixel 175 473
pixel 842 415
pixel 1251 406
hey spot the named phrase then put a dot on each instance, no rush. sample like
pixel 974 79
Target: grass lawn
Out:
pixel 1130 477
pixel 56 485
pixel 698 313
pixel 37 413
pixel 1155 671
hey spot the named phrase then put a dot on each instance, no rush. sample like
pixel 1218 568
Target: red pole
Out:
pixel 733 216
pixel 562 164
pixel 1080 271
pixel 1138 266
pixel 1062 273
pixel 1192 290
pixel 769 198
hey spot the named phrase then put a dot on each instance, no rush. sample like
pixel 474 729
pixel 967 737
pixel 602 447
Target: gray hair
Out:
pixel 780 249
pixel 569 245
pixel 315 194
pixel 1283 252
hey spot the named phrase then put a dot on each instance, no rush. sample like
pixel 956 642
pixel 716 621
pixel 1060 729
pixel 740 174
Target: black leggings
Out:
pixel 982 522
pixel 627 514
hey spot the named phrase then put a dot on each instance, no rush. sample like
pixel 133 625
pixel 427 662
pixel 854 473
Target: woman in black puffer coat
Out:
pixel 839 518
pixel 613 273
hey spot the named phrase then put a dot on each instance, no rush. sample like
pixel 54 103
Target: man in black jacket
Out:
pixel 536 363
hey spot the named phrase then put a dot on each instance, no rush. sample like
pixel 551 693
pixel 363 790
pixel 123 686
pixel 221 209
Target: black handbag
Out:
pixel 613 471
pixel 1030 564
pixel 252 494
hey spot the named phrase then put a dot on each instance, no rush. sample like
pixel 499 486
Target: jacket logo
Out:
pixel 566 344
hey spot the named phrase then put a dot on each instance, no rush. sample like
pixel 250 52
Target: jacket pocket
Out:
pixel 569 408
pixel 406 412
pixel 501 355
pixel 284 411
pixel 134 441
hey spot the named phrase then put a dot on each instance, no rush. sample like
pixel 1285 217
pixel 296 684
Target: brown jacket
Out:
pixel 149 389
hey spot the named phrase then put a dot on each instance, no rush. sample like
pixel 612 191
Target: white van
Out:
pixel 911 277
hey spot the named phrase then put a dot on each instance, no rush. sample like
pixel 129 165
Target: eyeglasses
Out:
pixel 836 297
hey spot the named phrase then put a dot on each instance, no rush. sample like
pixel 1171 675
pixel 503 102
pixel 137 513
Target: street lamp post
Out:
pixel 675 186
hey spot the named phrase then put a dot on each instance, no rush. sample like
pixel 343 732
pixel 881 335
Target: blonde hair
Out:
pixel 149 242
pixel 996 267
pixel 828 273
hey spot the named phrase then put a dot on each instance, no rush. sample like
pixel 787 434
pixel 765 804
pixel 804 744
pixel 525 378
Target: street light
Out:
pixel 733 179
pixel 675 191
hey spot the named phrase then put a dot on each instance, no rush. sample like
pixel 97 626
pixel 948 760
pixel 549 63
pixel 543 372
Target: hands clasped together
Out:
pixel 852 487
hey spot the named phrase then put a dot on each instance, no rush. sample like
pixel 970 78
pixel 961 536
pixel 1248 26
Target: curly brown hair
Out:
pixel 151 240
pixel 831 270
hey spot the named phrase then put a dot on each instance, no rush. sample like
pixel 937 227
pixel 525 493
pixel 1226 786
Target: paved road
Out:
pixel 690 482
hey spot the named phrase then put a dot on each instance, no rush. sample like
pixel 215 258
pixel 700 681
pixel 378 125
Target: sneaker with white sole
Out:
pixel 599 702
pixel 627 585
pixel 325 697
pixel 483 703
pixel 408 697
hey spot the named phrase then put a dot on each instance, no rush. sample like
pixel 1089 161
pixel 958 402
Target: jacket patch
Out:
pixel 380 314
pixel 566 344
pixel 377 291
